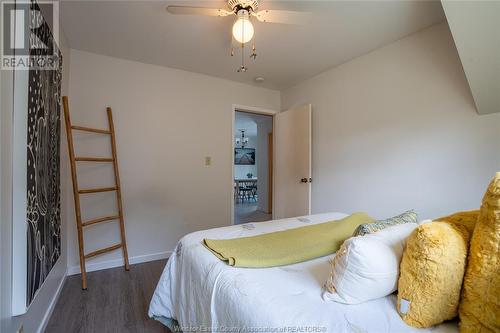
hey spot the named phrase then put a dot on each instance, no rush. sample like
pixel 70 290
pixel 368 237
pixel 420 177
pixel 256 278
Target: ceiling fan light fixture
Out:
pixel 243 29
pixel 234 5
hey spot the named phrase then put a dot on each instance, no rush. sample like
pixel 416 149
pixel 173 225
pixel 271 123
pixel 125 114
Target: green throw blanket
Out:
pixel 288 246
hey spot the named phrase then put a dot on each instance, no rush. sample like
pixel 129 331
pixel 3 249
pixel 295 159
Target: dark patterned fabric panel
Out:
pixel 43 169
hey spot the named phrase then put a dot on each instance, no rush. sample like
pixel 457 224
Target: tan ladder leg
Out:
pixel 76 194
pixel 118 187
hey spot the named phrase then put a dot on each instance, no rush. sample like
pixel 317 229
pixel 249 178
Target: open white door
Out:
pixel 292 179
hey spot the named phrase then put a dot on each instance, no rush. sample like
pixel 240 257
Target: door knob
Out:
pixel 304 180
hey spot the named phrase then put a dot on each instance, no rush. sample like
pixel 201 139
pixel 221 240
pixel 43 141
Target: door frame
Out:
pixel 256 110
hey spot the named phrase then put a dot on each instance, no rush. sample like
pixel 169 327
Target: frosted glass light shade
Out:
pixel 243 29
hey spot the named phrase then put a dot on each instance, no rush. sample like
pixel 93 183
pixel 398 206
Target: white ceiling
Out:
pixel 475 26
pixel 340 30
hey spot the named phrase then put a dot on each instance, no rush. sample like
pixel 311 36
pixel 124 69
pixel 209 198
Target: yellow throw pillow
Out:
pixel 480 304
pixel 468 219
pixel 432 271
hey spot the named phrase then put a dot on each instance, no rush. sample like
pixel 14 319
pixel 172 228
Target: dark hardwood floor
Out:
pixel 115 301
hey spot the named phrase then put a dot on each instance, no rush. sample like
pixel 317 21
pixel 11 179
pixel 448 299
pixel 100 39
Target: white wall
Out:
pixel 167 122
pixel 240 171
pixel 397 129
pixel 35 319
pixel 6 107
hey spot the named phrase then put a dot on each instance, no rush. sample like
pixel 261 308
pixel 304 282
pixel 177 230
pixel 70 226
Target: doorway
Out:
pixel 253 165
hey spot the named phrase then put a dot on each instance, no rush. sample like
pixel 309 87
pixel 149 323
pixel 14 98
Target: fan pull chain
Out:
pixel 242 69
pixel 254 49
pixel 254 53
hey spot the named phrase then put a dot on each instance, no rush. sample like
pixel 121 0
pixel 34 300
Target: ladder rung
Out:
pixel 101 219
pixel 101 251
pixel 94 159
pixel 88 129
pixel 97 190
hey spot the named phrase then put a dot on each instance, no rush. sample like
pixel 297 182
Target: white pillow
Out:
pixel 367 267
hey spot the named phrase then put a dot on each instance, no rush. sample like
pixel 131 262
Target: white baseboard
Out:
pixel 91 267
pixel 52 305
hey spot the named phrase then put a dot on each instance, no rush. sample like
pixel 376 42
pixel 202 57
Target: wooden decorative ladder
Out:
pixel 77 192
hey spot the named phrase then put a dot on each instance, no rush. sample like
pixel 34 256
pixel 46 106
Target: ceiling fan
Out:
pixel 244 10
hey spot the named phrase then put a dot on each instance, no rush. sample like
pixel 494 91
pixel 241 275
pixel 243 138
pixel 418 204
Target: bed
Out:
pixel 202 293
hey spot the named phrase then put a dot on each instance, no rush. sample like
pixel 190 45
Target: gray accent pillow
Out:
pixel 369 228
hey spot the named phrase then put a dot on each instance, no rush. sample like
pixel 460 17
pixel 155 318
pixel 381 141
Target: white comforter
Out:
pixel 203 293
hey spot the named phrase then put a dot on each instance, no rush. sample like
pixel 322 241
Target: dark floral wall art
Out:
pixel 43 167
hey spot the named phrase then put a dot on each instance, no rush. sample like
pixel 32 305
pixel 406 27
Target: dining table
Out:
pixel 249 187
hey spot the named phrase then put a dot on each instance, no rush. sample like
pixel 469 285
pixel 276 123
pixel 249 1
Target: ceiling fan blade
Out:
pixel 186 10
pixel 283 16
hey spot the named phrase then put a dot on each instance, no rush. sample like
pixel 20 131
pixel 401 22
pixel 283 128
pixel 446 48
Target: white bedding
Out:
pixel 203 293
